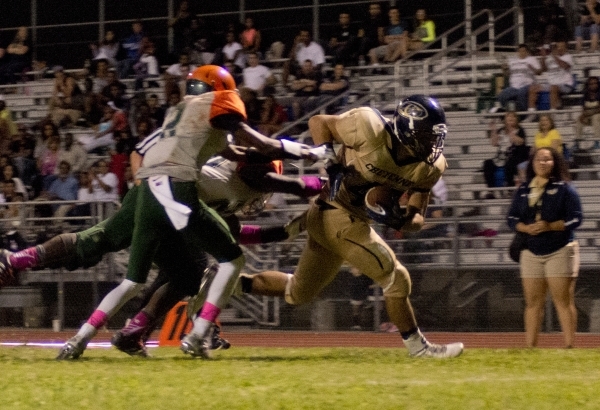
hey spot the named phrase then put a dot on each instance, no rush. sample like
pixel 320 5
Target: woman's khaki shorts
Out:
pixel 564 263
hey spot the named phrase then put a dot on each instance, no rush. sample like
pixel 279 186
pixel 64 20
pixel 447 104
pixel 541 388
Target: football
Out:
pixel 380 196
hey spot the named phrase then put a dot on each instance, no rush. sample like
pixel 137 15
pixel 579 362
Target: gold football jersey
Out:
pixel 368 162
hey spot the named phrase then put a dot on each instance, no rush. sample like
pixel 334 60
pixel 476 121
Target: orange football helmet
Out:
pixel 209 78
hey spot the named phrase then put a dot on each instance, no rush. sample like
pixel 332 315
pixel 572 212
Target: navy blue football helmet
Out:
pixel 420 124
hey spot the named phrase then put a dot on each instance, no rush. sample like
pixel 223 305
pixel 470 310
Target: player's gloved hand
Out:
pixel 323 152
pixel 395 217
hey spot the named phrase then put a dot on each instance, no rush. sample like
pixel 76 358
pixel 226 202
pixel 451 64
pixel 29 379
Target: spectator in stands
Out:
pixel 335 84
pixel 252 104
pixel 202 50
pixel 590 114
pixel 303 49
pixel 250 37
pixel 114 120
pixel 101 75
pixel 117 96
pixel 511 150
pixel 232 50
pixel 127 183
pixel 63 188
pixel 119 160
pixel 232 69
pixel 66 104
pixel 173 99
pixel 73 153
pixel 371 33
pixel 176 75
pixel 551 24
pixel 423 31
pixel 589 26
pixel 84 197
pixel 48 132
pixel 48 164
pixel 110 93
pixel 547 209
pixel 21 155
pixel 548 135
pixel 395 40
pixel 257 76
pixel 343 42
pixel 9 195
pixel 181 25
pixel 146 69
pixel 521 71
pixel 560 79
pixel 10 172
pixel 155 111
pixel 132 49
pixel 8 127
pixel 17 57
pixel 107 49
pixel 92 105
pixel 105 184
pixel 272 116
pixel 305 87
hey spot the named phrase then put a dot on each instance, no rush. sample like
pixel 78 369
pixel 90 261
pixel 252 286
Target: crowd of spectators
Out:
pixel 103 110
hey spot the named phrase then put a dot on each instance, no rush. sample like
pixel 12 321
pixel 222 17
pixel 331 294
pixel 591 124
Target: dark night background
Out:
pixel 68 45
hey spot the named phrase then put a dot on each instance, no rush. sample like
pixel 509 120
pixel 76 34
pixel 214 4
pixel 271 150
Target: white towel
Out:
pixel 179 214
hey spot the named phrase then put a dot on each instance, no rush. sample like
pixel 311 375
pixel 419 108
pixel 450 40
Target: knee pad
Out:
pixel 398 284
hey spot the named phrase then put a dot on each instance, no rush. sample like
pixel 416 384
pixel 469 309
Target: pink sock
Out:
pixel 209 312
pixel 138 324
pixel 98 319
pixel 27 258
pixel 250 235
pixel 312 185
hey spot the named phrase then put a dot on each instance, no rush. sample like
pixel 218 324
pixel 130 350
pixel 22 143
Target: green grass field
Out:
pixel 315 378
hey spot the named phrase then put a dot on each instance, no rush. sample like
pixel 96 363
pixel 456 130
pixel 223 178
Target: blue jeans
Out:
pixel 519 95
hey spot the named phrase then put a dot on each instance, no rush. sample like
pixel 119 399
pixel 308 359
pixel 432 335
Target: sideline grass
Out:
pixel 315 378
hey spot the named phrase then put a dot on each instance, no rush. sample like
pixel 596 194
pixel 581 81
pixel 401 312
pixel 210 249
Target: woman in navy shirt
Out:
pixel 548 209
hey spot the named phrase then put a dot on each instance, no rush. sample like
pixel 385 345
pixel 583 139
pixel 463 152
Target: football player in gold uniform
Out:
pixel 403 155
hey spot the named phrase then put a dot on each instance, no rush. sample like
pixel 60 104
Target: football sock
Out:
pixel 218 295
pixel 138 324
pixel 27 258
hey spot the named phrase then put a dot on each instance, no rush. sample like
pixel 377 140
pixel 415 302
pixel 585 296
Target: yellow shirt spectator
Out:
pixel 548 135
